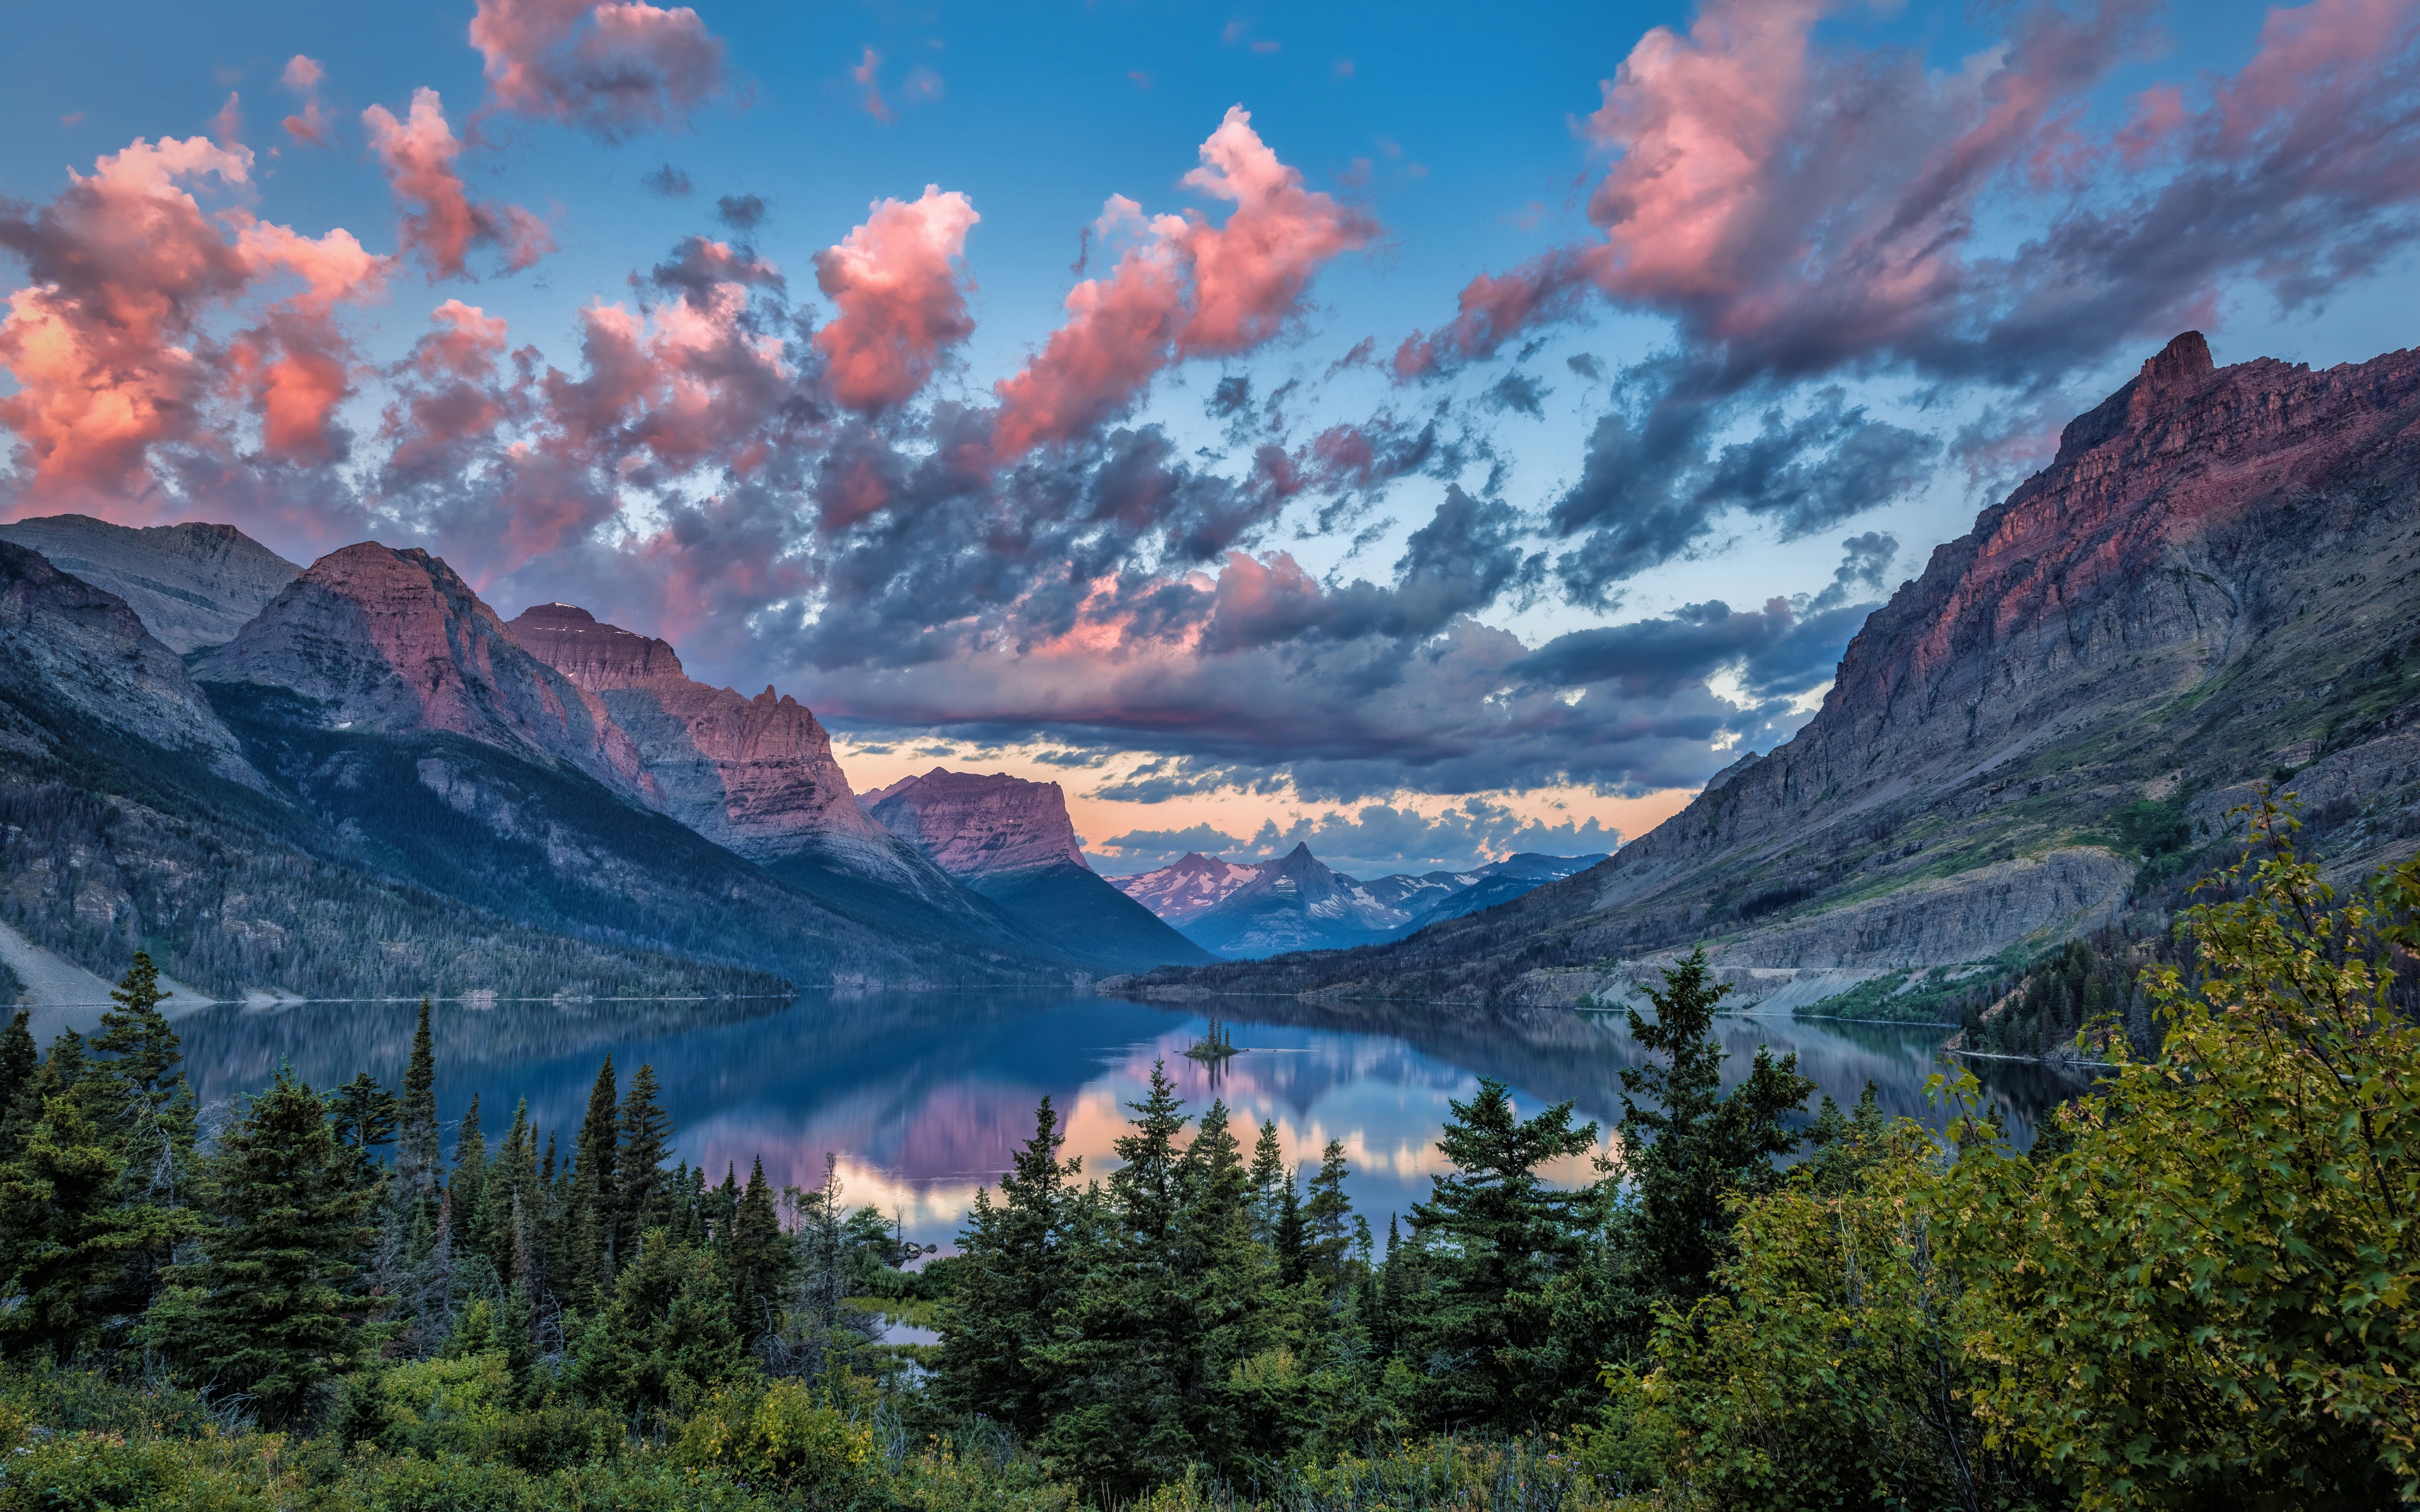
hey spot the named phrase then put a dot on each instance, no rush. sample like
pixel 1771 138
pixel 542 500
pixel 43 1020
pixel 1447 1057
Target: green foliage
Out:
pixel 777 1435
pixel 2209 1295
pixel 269 1306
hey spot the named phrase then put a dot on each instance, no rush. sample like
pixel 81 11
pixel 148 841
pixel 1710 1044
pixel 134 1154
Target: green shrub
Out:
pixel 781 1435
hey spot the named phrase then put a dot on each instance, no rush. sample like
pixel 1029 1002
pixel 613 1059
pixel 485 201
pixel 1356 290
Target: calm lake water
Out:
pixel 923 1096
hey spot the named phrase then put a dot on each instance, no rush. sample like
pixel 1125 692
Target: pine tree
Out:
pixel 644 1198
pixel 266 1307
pixel 1697 1148
pixel 1293 1247
pixel 365 1114
pixel 1328 1219
pixel 419 1163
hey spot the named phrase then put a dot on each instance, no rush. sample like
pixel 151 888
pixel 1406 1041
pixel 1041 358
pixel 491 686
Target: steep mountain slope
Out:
pixel 1010 841
pixel 2216 580
pixel 756 776
pixel 375 640
pixel 131 820
pixel 193 585
pixel 381 692
pixel 1297 903
pixel 1188 886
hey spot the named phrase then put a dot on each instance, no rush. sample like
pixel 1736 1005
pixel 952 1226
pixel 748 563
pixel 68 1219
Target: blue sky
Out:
pixel 1465 136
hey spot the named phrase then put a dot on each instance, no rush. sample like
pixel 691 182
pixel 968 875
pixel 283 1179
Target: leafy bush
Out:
pixel 782 1436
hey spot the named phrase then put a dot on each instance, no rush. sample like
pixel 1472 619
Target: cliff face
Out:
pixel 980 824
pixel 1012 842
pixel 396 642
pixel 2216 580
pixel 68 642
pixel 754 775
pixel 193 585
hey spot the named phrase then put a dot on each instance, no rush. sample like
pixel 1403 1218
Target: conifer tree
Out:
pixel 644 1200
pixel 1328 1219
pixel 1268 1173
pixel 19 1062
pixel 1697 1147
pixel 758 1261
pixel 138 1097
pixel 266 1308
pixel 1505 1236
pixel 1018 1275
pixel 419 1157
pixel 590 1217
pixel 59 1250
pixel 364 1115
pixel 1292 1246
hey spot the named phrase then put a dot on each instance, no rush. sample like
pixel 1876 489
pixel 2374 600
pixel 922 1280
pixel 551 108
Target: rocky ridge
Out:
pixel 2216 581
pixel 395 642
pixel 1187 887
pixel 64 640
pixel 976 824
pixel 194 584
pixel 754 775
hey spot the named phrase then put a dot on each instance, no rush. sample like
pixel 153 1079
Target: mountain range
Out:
pixel 2215 584
pixel 1295 902
pixel 359 780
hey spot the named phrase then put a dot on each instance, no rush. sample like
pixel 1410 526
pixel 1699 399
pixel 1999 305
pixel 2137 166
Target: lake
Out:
pixel 923 1096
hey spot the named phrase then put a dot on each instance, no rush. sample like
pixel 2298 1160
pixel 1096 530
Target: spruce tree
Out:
pixel 19 1062
pixel 1695 1148
pixel 1015 1284
pixel 644 1198
pixel 1328 1219
pixel 1268 1173
pixel 1293 1247
pixel 1505 1236
pixel 419 1163
pixel 138 1095
pixel 591 1216
pixel 267 1307
pixel 59 1251
pixel 364 1115
pixel 758 1258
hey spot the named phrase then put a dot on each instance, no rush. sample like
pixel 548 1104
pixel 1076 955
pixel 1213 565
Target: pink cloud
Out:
pixel 899 298
pixel 437 223
pixel 109 344
pixel 226 126
pixel 1787 233
pixel 609 69
pixel 1183 288
pixel 863 73
pixel 313 126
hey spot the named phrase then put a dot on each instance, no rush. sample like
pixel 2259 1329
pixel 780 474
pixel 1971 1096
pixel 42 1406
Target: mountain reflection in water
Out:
pixel 923 1096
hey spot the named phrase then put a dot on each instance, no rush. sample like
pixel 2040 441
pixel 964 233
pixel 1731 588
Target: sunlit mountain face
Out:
pixel 1415 438
pixel 922 1098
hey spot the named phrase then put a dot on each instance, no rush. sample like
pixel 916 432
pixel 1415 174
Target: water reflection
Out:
pixel 923 1096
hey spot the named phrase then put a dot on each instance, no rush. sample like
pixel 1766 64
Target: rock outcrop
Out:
pixel 754 775
pixel 64 641
pixel 378 640
pixel 193 585
pixel 2215 582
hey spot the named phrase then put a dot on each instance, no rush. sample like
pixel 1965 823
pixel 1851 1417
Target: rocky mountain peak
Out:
pixel 596 657
pixel 193 585
pixel 755 775
pixel 980 824
pixel 1187 887
pixel 395 641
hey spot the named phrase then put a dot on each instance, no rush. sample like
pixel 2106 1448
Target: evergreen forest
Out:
pixel 2194 1290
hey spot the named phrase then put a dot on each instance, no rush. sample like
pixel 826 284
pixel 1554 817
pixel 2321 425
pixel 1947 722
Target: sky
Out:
pixel 1421 432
